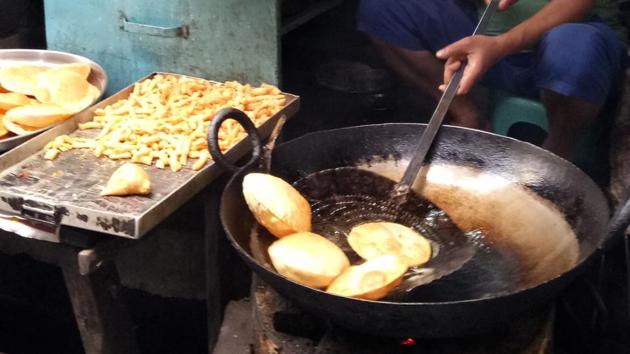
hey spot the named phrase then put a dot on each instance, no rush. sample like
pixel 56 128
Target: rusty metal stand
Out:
pixel 93 286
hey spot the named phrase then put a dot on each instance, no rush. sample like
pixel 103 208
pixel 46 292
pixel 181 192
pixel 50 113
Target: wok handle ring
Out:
pixel 252 134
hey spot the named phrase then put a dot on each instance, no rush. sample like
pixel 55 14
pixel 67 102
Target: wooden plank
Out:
pixel 99 310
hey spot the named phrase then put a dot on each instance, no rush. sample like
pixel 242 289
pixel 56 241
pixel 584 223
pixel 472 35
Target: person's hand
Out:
pixel 479 52
pixel 504 4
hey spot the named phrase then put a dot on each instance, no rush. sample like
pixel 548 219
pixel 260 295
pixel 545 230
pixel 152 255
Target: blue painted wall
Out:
pixel 229 39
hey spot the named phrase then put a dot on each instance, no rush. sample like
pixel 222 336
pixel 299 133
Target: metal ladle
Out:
pixel 460 255
pixel 401 190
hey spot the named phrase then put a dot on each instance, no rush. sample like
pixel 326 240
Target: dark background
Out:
pixel 342 82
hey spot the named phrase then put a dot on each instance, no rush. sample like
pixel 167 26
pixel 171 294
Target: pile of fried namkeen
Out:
pixel 165 119
pixel 35 97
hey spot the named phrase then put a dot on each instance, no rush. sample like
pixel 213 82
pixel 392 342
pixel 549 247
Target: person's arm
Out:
pixel 481 52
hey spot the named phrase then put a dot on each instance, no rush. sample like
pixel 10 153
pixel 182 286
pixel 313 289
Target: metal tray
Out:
pixel 66 190
pixel 13 57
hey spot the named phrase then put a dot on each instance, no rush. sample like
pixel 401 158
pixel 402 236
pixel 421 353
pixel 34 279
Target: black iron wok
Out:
pixel 549 177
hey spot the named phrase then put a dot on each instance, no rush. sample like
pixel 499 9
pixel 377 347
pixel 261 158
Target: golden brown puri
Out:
pixel 276 205
pixel 308 259
pixel 10 100
pixel 35 97
pixel 21 79
pixel 371 280
pixel 36 115
pixel 16 128
pixel 375 239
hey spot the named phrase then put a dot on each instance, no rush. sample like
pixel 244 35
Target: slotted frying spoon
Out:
pixel 345 197
pixel 426 140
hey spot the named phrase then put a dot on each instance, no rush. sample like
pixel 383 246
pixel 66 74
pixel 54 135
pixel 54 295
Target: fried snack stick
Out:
pixel 165 119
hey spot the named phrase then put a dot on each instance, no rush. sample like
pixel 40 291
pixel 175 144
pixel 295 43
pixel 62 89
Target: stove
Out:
pixel 591 316
pixel 279 327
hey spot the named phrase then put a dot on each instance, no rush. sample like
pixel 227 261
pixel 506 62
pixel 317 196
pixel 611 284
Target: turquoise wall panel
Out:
pixel 228 39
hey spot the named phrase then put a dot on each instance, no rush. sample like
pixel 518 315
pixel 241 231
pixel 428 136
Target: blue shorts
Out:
pixel 582 60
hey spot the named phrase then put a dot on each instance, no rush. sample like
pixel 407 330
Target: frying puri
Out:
pixel 371 280
pixel 376 239
pixel 276 205
pixel 308 259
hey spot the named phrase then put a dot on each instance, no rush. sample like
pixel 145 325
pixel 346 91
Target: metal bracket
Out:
pixel 40 213
pixel 151 30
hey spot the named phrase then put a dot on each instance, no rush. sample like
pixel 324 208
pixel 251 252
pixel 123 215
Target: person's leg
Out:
pixel 423 72
pixel 569 117
pixel 577 66
pixel 406 33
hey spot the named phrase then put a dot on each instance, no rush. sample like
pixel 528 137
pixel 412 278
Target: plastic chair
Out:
pixel 506 110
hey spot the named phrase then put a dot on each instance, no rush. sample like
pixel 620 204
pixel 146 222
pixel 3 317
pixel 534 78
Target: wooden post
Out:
pixel 99 310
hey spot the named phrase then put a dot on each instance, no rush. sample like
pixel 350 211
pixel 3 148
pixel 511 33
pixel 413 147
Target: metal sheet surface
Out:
pixel 66 190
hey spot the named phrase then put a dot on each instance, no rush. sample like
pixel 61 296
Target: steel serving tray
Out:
pixel 13 57
pixel 66 190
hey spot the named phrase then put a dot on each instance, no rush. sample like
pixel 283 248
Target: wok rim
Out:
pixel 568 274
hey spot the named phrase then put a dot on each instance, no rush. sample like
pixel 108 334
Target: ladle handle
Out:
pixel 440 111
pixel 252 135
